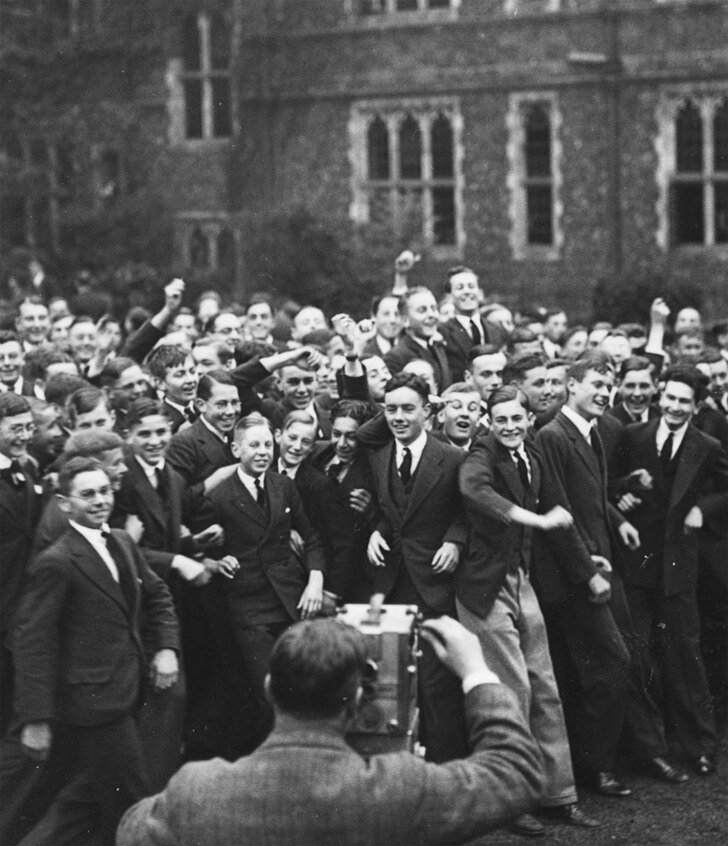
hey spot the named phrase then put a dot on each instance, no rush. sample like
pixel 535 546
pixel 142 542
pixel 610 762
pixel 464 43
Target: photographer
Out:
pixel 305 785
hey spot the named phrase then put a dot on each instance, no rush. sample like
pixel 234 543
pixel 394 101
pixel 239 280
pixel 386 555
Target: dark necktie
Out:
pixel 161 483
pixel 666 454
pixel 190 414
pixel 333 470
pixel 596 445
pixel 522 470
pixel 122 569
pixel 405 468
pixel 259 493
pixel 475 333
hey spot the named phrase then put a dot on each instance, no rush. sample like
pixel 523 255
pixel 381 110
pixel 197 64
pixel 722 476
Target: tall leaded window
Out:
pixel 699 182
pixel 205 77
pixel 382 7
pixel 534 177
pixel 406 170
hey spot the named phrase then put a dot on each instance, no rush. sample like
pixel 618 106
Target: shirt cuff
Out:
pixel 187 568
pixel 479 677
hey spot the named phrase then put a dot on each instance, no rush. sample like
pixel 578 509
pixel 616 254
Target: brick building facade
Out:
pixel 546 143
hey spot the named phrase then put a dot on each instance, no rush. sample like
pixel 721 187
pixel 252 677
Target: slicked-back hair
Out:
pixel 688 375
pixel 249 421
pixel 407 296
pixel 409 380
pixel 82 401
pixel 11 405
pixel 90 444
pixel 8 335
pixel 519 365
pixel 377 301
pixel 482 349
pixel 456 271
pixel 709 355
pixel 112 370
pixel 594 360
pixel 141 408
pixel 297 416
pixel 460 388
pixel 38 361
pixel 74 467
pixel 316 667
pixel 633 363
pixel 355 409
pixel 164 357
pixel 59 387
pixel 507 393
pixel 206 383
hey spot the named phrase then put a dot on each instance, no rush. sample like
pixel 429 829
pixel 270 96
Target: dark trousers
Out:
pixel 668 635
pixel 95 774
pixel 591 664
pixel 161 722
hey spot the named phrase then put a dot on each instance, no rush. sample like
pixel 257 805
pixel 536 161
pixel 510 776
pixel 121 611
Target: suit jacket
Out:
pixel 195 453
pixel 310 788
pixel 175 416
pixel 78 651
pixel 458 344
pixel 667 559
pixel 250 374
pixel 140 343
pixel 434 515
pixel 490 486
pixel 572 478
pixel 407 349
pixel 19 513
pixel 620 412
pixel 261 543
pixel 162 520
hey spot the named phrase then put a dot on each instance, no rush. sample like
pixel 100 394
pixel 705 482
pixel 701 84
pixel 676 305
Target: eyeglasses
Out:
pixel 90 495
pixel 19 429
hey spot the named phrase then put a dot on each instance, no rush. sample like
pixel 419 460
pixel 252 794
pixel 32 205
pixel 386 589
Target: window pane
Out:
pixel 372 7
pixel 687 213
pixel 538 142
pixel 410 216
pixel 721 213
pixel 191 44
pixel 226 250
pixel 720 136
pixel 221 120
pixel 64 166
pixel 199 249
pixel 378 150
pixel 406 5
pixel 439 4
pixel 410 147
pixel 12 221
pixel 380 211
pixel 193 108
pixel 443 211
pixel 41 222
pixel 219 44
pixel 689 140
pixel 442 148
pixel 539 212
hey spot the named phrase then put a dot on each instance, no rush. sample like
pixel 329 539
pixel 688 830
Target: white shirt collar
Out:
pixel 181 408
pixel 465 321
pixel 249 482
pixel 150 470
pixel 290 471
pixel 415 448
pixel 91 535
pixel 213 429
pixel 5 462
pixel 584 426
pixel 383 344
pixel 677 436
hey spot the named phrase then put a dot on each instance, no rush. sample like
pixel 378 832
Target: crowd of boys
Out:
pixel 178 488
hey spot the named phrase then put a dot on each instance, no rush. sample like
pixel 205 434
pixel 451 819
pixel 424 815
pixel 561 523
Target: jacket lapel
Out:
pixel 245 503
pixel 689 458
pixel 426 475
pixel 147 493
pixel 583 449
pixel 89 562
pixel 381 461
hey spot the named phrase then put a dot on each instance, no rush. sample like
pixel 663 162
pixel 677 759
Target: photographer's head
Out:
pixel 315 669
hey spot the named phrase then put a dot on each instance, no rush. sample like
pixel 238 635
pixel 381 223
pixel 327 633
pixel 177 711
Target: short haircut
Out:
pixel 407 296
pixel 32 299
pixel 455 271
pixel 260 298
pixel 460 388
pixel 552 312
pixel 210 325
pixel 482 349
pixel 72 468
pixel 522 335
pixel 297 416
pixel 82 401
pixel 318 338
pixel 556 362
pixel 590 360
pixel 206 383
pixel 377 301
pixel 248 350
pixel 38 361
pixel 635 362
pixel 709 355
pixel 112 370
pixel 574 330
pixel 7 336
pixel 11 405
pixel 82 318
pixel 409 380
pixel 163 358
pixel 222 348
pixel 355 409
pixel 136 317
pixel 90 444
pixel 688 375
pixel 249 421
pixel 690 332
pixel 141 408
pixel 316 667
pixel 517 367
pixel 59 387
pixel 507 393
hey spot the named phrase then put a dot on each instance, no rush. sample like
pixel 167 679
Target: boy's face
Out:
pixel 15 434
pixel 509 423
pixel 295 443
pixel 222 408
pixel 89 499
pixel 486 373
pixel 298 386
pixel 150 438
pixel 98 418
pixel 406 414
pixel 180 382
pixel 11 362
pixel 135 381
pixel 253 448
pixel 460 416
pixel 113 464
pixel 343 437
pixel 591 396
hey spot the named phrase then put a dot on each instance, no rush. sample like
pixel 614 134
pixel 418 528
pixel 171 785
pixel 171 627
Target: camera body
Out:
pixel 387 717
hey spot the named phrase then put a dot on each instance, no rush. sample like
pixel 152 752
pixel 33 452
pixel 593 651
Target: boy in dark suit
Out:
pixel 175 374
pixel 270 587
pixel 418 543
pixel 81 662
pixel 500 482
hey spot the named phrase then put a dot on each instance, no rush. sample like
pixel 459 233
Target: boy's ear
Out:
pixel 63 503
